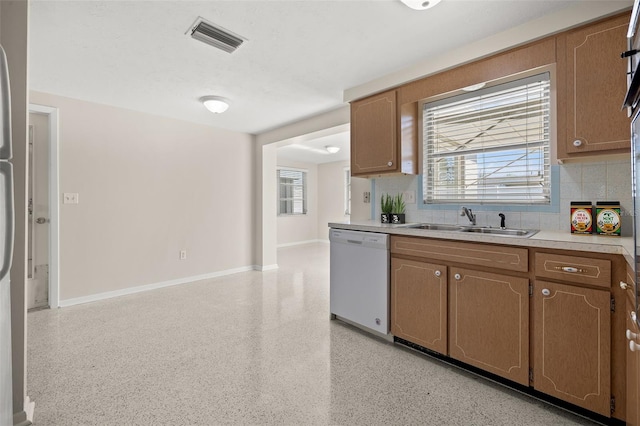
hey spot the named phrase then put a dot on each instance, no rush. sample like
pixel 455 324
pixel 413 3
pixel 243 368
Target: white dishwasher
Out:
pixel 359 278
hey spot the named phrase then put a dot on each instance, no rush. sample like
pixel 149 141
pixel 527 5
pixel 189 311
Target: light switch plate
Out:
pixel 71 198
pixel 367 197
pixel 409 197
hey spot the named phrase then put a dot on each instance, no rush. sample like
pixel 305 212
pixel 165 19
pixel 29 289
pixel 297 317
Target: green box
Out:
pixel 608 220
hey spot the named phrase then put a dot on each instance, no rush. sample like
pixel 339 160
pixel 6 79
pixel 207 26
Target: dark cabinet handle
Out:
pixel 628 53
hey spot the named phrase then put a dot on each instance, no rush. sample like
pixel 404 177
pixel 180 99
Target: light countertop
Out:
pixel 563 240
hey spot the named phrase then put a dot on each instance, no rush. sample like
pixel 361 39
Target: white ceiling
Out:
pixel 314 150
pixel 299 58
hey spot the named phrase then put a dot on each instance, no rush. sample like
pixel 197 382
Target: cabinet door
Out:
pixel 374 147
pixel 489 322
pixel 633 372
pixel 592 84
pixel 572 344
pixel 419 303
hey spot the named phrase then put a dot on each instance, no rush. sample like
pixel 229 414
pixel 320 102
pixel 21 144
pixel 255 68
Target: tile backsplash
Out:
pixel 599 181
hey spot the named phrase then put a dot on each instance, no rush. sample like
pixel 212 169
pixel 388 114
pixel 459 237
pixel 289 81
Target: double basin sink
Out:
pixel 504 232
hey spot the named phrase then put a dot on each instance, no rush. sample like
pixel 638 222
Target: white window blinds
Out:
pixel 292 192
pixel 489 146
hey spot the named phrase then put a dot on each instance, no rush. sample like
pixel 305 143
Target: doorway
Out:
pixel 43 205
pixel 38 213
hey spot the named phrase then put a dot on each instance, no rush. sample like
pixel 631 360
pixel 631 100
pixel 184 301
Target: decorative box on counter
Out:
pixel 608 218
pixel 581 217
pixel 397 218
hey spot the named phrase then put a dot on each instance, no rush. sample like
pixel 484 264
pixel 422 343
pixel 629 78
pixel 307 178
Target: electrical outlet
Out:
pixel 70 198
pixel 409 197
pixel 183 254
pixel 367 197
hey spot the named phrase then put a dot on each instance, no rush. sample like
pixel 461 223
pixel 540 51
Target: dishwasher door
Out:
pixel 359 278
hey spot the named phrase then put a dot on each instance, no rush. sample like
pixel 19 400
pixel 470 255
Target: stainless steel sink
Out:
pixel 523 233
pixel 509 232
pixel 438 227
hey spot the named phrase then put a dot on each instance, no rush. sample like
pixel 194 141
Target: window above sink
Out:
pixel 490 145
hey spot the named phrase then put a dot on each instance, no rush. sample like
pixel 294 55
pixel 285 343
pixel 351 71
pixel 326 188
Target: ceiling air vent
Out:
pixel 215 36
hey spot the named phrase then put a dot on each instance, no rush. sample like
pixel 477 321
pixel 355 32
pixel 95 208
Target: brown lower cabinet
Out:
pixel 489 322
pixel 572 344
pixel 545 319
pixel 419 303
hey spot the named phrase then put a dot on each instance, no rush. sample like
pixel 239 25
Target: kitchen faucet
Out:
pixel 502 219
pixel 469 214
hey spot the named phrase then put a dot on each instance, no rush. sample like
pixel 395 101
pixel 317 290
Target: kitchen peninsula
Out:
pixel 539 313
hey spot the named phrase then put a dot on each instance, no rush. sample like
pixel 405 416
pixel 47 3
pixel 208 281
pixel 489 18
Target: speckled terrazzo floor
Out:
pixel 251 348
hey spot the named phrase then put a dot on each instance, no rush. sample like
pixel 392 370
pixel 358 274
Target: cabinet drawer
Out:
pixel 574 269
pixel 509 258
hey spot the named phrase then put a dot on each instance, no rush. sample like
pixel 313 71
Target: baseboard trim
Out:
pixel 266 267
pixel 20 419
pixel 138 289
pixel 299 243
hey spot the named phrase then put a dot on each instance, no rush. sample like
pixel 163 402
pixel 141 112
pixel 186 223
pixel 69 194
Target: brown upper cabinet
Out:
pixel 591 88
pixel 376 148
pixel 590 82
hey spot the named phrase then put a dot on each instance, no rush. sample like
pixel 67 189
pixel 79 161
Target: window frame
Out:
pixel 516 206
pixel 305 193
pixel 347 190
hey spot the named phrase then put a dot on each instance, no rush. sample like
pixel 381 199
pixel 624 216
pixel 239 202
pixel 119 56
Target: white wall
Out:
pixel 295 229
pixel 326 203
pixel 331 194
pixel 329 123
pixel 149 187
pixel 359 209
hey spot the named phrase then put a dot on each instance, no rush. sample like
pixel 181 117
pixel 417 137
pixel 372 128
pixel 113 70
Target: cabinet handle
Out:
pixel 624 285
pixel 546 292
pixel 457 276
pixel 438 273
pixel 633 316
pixel 570 269
pixel 390 163
pixel 577 143
pixel 631 335
pixel 633 346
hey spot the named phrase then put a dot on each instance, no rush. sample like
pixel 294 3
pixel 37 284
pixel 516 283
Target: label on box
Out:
pixel 608 219
pixel 581 219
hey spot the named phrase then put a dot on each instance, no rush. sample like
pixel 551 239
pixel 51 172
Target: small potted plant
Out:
pixel 386 206
pixel 397 209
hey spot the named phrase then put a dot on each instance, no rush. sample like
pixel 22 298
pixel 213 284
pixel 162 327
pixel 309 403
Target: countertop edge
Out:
pixel 543 239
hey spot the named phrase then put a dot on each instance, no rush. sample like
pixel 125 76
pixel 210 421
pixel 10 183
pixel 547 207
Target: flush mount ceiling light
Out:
pixel 215 104
pixel 420 4
pixel 332 149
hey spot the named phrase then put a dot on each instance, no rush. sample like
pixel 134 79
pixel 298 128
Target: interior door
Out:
pixel 38 225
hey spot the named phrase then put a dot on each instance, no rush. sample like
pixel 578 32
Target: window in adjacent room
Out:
pixel 490 146
pixel 347 191
pixel 292 192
